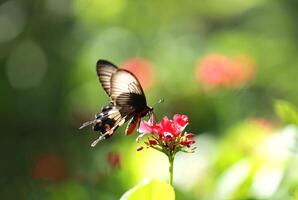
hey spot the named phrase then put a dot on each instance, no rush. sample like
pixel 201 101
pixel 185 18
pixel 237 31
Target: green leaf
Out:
pixel 150 190
pixel 286 111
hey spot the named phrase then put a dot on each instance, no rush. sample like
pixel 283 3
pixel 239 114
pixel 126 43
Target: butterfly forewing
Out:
pixel 105 70
pixel 124 82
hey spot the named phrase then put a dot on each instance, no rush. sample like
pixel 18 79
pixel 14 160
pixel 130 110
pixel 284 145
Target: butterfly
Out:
pixel 128 101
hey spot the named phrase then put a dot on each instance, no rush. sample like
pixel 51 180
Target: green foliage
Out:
pixel 150 190
pixel 288 112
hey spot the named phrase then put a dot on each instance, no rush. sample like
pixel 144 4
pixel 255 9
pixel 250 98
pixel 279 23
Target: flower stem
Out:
pixel 171 167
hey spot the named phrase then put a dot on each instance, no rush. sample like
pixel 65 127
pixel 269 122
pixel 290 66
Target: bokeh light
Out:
pixel 219 10
pixel 26 65
pixel 93 12
pixel 114 159
pixel 143 70
pixel 50 167
pixel 220 71
pixel 12 20
pixel 59 8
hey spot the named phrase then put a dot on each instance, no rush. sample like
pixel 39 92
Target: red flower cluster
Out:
pixel 219 70
pixel 167 135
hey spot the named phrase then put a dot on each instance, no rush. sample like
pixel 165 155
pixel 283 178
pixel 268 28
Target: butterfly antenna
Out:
pixel 159 101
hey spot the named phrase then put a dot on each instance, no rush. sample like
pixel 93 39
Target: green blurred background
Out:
pixel 221 62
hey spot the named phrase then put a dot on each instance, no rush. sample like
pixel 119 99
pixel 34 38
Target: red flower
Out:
pixel 167 128
pixel 167 134
pixel 175 126
pixel 220 70
pixel 50 167
pixel 114 159
pixel 142 68
pixel 146 127
pixel 181 121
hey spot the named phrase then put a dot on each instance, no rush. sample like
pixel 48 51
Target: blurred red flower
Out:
pixel 143 70
pixel 218 70
pixel 114 159
pixel 263 122
pixel 50 167
pixel 167 134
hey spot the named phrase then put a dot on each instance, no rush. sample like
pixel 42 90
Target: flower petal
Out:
pixel 151 120
pixel 157 128
pixel 139 148
pixel 187 142
pixel 189 135
pixel 180 121
pixel 168 126
pixel 146 127
pixel 152 142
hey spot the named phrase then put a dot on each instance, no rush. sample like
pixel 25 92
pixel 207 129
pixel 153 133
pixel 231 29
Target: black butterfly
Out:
pixel 128 101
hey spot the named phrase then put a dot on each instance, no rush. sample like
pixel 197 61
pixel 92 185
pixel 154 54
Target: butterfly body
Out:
pixel 128 102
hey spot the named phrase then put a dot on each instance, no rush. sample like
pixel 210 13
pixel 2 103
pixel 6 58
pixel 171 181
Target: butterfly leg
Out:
pixel 90 123
pixel 87 124
pixel 102 136
pixel 109 132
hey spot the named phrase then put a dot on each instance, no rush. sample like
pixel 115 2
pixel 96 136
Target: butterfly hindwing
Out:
pixel 124 81
pixel 106 119
pixel 107 122
pixel 127 92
